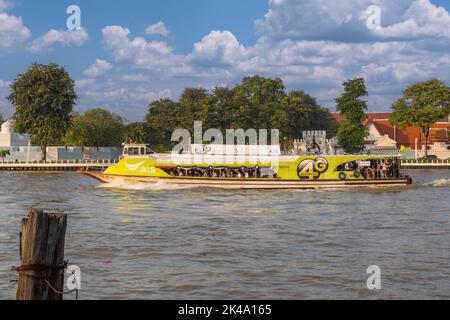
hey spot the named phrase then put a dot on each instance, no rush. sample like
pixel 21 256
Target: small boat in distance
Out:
pixel 205 166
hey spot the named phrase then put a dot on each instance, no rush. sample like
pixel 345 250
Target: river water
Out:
pixel 136 242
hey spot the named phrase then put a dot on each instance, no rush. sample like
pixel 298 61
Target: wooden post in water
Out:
pixel 41 274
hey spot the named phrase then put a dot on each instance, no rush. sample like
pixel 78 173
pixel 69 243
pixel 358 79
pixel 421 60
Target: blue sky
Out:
pixel 131 52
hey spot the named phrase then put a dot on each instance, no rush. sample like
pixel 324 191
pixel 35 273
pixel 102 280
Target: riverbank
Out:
pixel 422 164
pixel 65 165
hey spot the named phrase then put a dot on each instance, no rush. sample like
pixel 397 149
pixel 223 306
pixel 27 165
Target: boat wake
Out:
pixel 159 186
pixel 439 183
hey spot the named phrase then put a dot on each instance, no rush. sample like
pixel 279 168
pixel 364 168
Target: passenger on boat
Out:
pixel 257 172
pixel 385 167
pixel 369 173
pixel 396 168
pixel 209 172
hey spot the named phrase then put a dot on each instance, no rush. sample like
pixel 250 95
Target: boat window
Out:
pixel 133 151
pixel 348 166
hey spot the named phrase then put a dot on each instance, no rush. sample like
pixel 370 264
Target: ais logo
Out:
pixel 311 169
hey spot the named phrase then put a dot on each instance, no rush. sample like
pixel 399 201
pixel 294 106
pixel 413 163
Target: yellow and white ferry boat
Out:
pixel 246 170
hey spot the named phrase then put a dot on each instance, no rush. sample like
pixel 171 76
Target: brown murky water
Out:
pixel 132 242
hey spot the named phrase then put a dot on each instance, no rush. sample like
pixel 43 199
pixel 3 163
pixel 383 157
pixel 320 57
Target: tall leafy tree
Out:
pixel 163 117
pixel 43 98
pixel 352 132
pixel 96 128
pixel 226 109
pixel 1 117
pixel 422 105
pixel 194 105
pixel 263 96
pixel 136 132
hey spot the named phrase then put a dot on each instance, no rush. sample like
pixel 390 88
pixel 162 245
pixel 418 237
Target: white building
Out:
pixel 9 138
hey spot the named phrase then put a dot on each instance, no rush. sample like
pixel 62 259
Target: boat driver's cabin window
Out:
pixel 137 151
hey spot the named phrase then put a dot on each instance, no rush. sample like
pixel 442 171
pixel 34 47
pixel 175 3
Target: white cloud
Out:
pixel 135 77
pixel 347 20
pixel 127 100
pixel 4 5
pixel 422 19
pixel 158 29
pixel 13 33
pixel 218 49
pixel 313 45
pixel 66 38
pixel 152 55
pixel 99 68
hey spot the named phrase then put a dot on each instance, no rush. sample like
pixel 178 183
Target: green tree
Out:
pixel 352 132
pixel 136 132
pixel 96 128
pixel 4 154
pixel 1 117
pixel 44 98
pixel 226 109
pixel 194 106
pixel 422 105
pixel 264 96
pixel 163 117
pixel 256 103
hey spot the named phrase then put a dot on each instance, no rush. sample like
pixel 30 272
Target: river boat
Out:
pixel 253 170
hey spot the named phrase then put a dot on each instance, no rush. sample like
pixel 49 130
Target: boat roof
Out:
pixel 134 145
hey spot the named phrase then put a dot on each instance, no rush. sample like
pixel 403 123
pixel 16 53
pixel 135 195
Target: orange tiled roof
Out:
pixel 407 137
pixel 370 116
pixel 404 137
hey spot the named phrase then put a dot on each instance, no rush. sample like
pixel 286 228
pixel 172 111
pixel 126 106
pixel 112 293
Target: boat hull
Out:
pixel 251 183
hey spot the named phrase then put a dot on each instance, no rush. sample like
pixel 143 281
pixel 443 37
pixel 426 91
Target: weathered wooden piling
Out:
pixel 41 274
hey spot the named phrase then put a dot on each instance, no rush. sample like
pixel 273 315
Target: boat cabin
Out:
pixel 136 150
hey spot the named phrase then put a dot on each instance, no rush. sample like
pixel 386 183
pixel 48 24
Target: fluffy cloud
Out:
pixel 13 33
pixel 218 49
pixel 347 20
pixel 158 29
pixel 99 68
pixel 313 45
pixel 66 38
pixel 152 55
pixel 4 5
pixel 421 20
pixel 127 100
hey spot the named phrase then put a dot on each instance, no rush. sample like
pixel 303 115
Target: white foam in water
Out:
pixel 439 183
pixel 122 184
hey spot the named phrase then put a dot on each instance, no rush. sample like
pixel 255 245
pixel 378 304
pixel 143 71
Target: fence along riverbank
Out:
pixel 64 165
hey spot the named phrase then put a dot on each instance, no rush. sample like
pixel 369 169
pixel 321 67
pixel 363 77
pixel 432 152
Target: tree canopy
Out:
pixel 422 105
pixel 95 128
pixel 43 98
pixel 136 132
pixel 352 132
pixel 4 154
pixel 257 103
